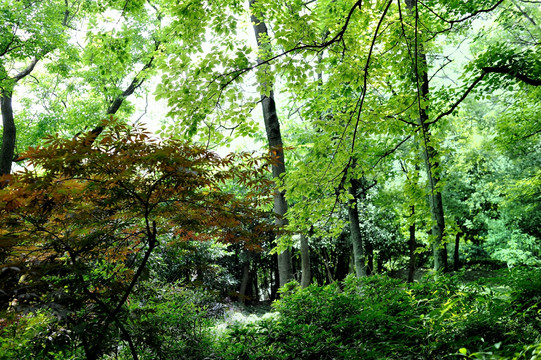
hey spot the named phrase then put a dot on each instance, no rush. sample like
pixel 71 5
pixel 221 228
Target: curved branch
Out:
pixel 512 72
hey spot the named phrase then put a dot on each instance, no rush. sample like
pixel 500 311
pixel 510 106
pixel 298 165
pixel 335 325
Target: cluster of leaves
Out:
pixel 378 317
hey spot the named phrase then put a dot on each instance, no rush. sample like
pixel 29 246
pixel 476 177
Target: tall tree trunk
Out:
pixel 420 69
pixel 411 245
pixel 306 275
pixel 356 236
pixel 274 137
pixel 9 134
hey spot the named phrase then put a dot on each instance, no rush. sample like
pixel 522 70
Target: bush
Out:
pixel 168 321
pixel 382 318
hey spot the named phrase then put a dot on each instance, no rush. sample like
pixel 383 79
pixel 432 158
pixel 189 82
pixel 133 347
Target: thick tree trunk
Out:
pixel 420 69
pixel 9 135
pixel 356 236
pixel 274 137
pixel 306 275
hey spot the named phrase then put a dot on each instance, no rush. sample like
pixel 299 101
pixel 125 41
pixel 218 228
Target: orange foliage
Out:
pixel 86 217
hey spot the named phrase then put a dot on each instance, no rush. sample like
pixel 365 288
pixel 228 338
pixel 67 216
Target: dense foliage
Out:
pixel 493 317
pixel 401 136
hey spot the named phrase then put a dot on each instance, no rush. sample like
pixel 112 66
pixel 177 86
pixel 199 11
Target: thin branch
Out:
pixel 455 105
pixel 475 13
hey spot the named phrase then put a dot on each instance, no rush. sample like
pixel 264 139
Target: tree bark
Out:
pixel 9 135
pixel 274 137
pixel 420 70
pixel 356 236
pixel 306 275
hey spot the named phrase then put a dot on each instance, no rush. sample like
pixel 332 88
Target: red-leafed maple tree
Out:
pixel 77 231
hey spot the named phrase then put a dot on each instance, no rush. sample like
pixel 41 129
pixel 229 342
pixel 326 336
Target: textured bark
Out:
pixel 429 153
pixel 9 134
pixel 356 236
pixel 306 275
pixel 274 138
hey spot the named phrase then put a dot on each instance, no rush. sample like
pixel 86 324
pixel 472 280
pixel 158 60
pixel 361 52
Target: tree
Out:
pixel 30 31
pixel 109 57
pixel 274 137
pixel 79 229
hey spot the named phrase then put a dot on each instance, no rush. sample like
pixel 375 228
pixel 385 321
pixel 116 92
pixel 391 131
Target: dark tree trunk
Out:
pixel 244 282
pixel 369 257
pixel 343 254
pixel 456 255
pixel 9 135
pixel 275 278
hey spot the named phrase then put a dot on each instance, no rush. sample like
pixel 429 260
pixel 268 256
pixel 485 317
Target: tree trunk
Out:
pixel 275 281
pixel 343 254
pixel 244 282
pixel 274 137
pixel 9 135
pixel 420 70
pixel 356 236
pixel 456 258
pixel 411 244
pixel 306 275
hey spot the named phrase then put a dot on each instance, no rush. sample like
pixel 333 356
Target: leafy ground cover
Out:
pixel 375 317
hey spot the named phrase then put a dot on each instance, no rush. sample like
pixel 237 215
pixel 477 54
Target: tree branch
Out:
pixel 26 71
pixel 512 72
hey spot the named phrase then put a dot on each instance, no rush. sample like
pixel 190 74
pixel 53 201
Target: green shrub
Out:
pixel 382 318
pixel 170 322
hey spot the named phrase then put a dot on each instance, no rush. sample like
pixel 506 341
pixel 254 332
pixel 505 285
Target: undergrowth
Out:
pixel 369 318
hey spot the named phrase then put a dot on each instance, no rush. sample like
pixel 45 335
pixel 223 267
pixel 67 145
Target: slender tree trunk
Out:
pixel 274 137
pixel 369 257
pixel 456 255
pixel 356 236
pixel 275 281
pixel 420 69
pixel 306 275
pixel 411 244
pixel 9 135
